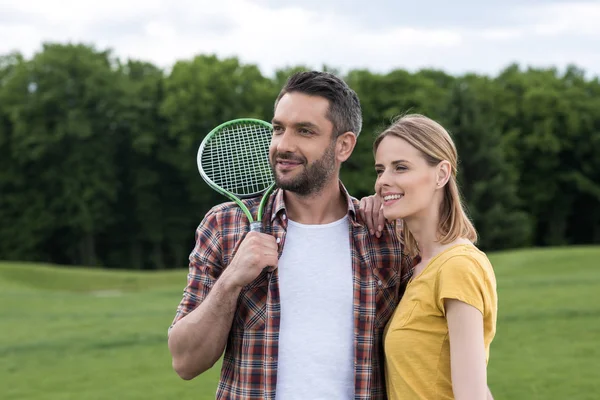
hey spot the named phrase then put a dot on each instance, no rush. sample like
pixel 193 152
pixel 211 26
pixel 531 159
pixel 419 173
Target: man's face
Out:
pixel 302 152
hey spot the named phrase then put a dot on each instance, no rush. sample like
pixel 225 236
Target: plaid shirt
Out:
pixel 249 370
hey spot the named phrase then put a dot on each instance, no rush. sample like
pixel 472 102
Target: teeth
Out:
pixel 392 197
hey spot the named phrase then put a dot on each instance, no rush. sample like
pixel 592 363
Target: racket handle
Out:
pixel 256 226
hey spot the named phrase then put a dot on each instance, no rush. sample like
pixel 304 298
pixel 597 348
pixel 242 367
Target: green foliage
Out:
pixel 485 178
pixel 98 161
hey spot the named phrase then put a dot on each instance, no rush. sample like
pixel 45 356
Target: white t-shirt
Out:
pixel 316 339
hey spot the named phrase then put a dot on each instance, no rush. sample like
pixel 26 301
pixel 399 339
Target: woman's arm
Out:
pixel 467 351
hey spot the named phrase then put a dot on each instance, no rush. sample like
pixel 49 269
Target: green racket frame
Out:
pixel 255 225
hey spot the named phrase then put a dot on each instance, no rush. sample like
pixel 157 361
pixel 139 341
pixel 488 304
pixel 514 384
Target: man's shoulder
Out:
pixel 232 211
pixel 389 226
pixel 232 206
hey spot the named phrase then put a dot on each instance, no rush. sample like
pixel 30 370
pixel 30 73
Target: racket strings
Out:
pixel 236 159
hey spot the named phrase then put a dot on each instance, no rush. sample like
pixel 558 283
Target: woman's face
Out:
pixel 405 181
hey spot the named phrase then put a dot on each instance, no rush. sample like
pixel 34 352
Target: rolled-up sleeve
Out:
pixel 205 266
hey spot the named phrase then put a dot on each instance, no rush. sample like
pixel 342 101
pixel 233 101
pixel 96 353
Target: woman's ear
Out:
pixel 444 172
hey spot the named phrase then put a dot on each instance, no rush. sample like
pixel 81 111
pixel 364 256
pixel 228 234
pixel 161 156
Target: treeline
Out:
pixel 98 155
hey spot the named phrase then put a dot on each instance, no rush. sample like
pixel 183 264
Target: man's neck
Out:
pixel 322 207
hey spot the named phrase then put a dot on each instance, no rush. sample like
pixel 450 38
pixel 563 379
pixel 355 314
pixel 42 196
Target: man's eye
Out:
pixel 277 129
pixel 379 172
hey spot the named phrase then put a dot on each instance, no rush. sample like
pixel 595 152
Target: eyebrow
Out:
pixel 394 163
pixel 301 124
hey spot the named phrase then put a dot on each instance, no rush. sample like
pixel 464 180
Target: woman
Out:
pixel 437 341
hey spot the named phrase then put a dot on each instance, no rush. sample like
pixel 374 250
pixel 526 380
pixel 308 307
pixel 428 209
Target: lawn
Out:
pixel 70 333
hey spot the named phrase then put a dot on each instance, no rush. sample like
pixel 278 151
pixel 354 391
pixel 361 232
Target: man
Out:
pixel 310 326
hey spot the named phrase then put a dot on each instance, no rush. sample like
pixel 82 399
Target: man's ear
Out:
pixel 345 145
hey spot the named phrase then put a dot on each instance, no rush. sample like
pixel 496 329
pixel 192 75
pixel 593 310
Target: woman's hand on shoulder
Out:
pixel 371 213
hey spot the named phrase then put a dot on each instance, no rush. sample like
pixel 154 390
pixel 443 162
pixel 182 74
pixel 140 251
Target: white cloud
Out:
pixel 578 18
pixel 73 13
pixel 553 19
pixel 273 38
pixel 163 33
pixel 501 34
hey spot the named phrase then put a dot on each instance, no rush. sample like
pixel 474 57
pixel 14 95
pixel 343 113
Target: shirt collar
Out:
pixel 279 204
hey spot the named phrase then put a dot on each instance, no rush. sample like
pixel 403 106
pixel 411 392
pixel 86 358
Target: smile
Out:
pixel 285 164
pixel 392 197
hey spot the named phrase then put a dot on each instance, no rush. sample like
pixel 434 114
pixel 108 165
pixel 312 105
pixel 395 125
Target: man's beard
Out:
pixel 313 178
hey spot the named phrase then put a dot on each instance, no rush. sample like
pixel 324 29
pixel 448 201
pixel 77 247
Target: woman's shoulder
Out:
pixel 465 255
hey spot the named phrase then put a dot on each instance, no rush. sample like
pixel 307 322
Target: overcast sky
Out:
pixel 456 36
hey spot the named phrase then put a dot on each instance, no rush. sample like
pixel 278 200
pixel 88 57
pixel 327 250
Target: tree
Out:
pixel 137 235
pixel 200 94
pixel 98 161
pixel 486 181
pixel 61 108
pixel 24 222
pixel 543 130
pixel 384 97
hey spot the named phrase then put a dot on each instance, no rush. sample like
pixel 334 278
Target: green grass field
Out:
pixel 88 334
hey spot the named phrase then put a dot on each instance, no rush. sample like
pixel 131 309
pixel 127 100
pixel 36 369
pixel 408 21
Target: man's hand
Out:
pixel 372 213
pixel 198 340
pixel 256 252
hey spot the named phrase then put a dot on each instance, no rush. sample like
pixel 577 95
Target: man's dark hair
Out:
pixel 344 106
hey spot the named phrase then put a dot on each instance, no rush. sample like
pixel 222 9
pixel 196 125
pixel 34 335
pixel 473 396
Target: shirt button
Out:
pixel 284 217
pixel 379 283
pixel 278 240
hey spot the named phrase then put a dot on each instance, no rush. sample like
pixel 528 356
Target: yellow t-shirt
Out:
pixel 416 342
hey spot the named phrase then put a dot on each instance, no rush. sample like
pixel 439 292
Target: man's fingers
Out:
pixel 270 253
pixel 271 261
pixel 262 240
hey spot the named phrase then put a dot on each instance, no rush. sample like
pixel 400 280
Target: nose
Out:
pixel 382 181
pixel 283 142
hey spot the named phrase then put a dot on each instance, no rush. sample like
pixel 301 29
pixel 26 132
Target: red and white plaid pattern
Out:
pixel 249 368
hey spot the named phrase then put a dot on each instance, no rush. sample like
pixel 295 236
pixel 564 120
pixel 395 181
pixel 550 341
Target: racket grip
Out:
pixel 256 226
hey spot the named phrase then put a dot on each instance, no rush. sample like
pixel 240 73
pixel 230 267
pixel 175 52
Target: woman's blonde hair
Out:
pixel 436 145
